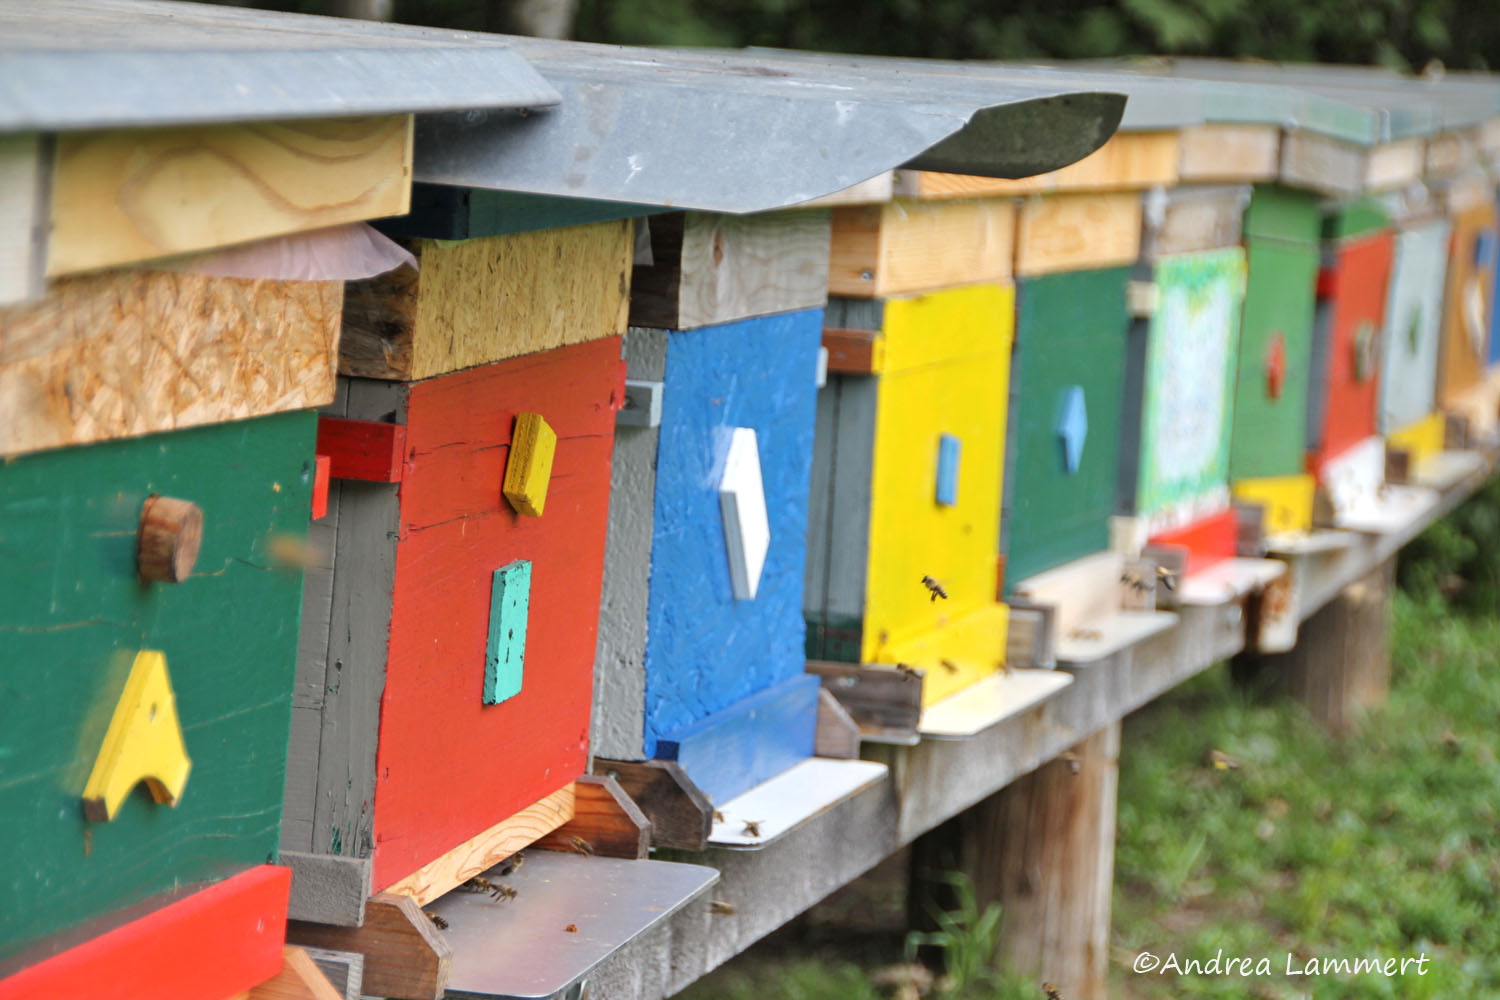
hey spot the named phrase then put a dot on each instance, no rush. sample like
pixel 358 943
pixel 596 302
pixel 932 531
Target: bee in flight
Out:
pixel 1166 577
pixel 1053 993
pixel 908 672
pixel 437 921
pixel 935 588
pixel 479 884
pixel 949 666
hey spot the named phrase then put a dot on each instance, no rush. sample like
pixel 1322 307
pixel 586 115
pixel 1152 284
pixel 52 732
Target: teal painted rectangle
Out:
pixel 505 655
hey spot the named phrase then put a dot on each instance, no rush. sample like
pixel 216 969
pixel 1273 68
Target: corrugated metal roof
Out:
pixel 88 64
pixel 742 132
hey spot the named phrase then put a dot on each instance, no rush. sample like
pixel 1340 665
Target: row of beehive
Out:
pixel 485 471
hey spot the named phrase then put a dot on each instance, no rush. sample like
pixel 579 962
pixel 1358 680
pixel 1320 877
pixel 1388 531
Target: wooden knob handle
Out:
pixel 167 544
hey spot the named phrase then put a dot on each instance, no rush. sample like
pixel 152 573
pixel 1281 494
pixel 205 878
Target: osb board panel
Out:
pixel 129 195
pixel 488 299
pixel 73 614
pixel 912 246
pixel 448 766
pixel 132 352
pixel 1229 153
pixel 1075 232
pixel 1129 160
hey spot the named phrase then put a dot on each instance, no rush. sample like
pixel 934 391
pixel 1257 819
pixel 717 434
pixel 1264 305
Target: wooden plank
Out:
pixel 486 849
pixel 1217 153
pixel 406 957
pixel 1452 153
pixel 372 451
pixel 345 970
pixel 735 749
pixel 299 979
pixel 1186 220
pixel 680 813
pixel 219 941
pixel 1395 165
pixel 837 734
pixel 853 352
pixel 1128 161
pixel 1074 232
pixel 327 888
pixel 884 702
pixel 911 246
pixel 1319 163
pixel 707 268
pixel 605 822
pixel 131 352
pixel 127 195
pixel 487 299
pixel 881 187
pixel 25 176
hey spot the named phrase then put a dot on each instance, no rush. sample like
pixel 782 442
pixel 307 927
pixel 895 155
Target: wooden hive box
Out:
pixel 192 680
pixel 1352 292
pixel 1179 404
pixel 1268 443
pixel 907 478
pixel 445 661
pixel 700 647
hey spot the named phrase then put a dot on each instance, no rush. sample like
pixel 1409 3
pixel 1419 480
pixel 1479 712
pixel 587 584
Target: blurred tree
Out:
pixel 1408 34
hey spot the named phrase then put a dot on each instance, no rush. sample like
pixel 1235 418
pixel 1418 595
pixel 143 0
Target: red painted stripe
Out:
pixel 1208 540
pixel 213 944
pixel 323 465
pixel 371 450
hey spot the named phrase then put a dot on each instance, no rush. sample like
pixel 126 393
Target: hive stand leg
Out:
pixel 1044 849
pixel 1341 666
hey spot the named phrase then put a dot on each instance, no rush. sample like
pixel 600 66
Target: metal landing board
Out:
pixel 523 948
pixel 989 702
pixel 777 806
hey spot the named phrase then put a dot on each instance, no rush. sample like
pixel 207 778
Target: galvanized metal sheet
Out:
pixel 88 64
pixel 740 132
pixel 570 913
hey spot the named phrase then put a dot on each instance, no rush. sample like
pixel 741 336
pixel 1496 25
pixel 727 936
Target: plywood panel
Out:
pixel 911 246
pixel 1075 232
pixel 131 352
pixel 129 195
pixel 1229 153
pixel 487 299
pixel 1128 161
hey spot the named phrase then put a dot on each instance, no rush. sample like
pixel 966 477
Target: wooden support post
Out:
pixel 1043 848
pixel 1341 665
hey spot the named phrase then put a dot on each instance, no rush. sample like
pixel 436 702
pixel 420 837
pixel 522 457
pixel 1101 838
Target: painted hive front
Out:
pixel 723 653
pixel 1068 387
pixel 75 615
pixel 1466 313
pixel 457 650
pixel 1352 290
pixel 907 484
pixel 1187 402
pixel 1413 325
pixel 1489 253
pixel 1271 376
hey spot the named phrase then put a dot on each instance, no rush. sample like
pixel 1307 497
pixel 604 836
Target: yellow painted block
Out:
pixel 529 469
pixel 1288 501
pixel 953 656
pixel 948 357
pixel 1421 439
pixel 143 743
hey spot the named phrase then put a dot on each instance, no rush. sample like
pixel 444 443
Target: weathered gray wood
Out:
pixel 680 814
pixel 837 734
pixel 619 719
pixel 854 314
pixel 820 499
pixel 344 969
pixel 25 199
pixel 883 702
pixel 327 889
pixel 1028 635
pixel 1191 219
pixel 848 531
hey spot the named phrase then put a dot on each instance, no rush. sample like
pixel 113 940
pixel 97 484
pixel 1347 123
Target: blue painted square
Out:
pixel 947 470
pixel 705 651
pixel 505 654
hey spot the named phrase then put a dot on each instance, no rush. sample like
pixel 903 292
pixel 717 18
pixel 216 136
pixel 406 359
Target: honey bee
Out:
pixel 719 906
pixel 504 892
pixel 512 864
pixel 1085 633
pixel 1134 581
pixel 478 884
pixel 935 588
pixel 949 666
pixel 437 921
pixel 718 816
pixel 1053 993
pixel 581 846
pixel 908 672
pixel 1166 577
pixel 752 827
pixel 1071 759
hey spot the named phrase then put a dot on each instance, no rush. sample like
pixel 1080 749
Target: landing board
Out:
pixel 996 698
pixel 795 795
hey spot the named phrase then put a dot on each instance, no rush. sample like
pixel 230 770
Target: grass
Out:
pixel 1385 843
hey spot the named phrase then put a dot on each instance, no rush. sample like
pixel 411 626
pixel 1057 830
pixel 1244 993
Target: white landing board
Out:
pixel 776 806
pixel 989 701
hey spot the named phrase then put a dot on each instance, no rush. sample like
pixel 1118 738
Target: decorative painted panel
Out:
pixel 1466 314
pixel 1064 423
pixel 73 607
pixel 1188 400
pixel 1413 325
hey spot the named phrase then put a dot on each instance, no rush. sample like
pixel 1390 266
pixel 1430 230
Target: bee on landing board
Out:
pixel 581 846
pixel 512 864
pixel 1085 633
pixel 503 892
pixel 752 827
pixel 935 588
pixel 478 884
pixel 908 672
pixel 437 921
